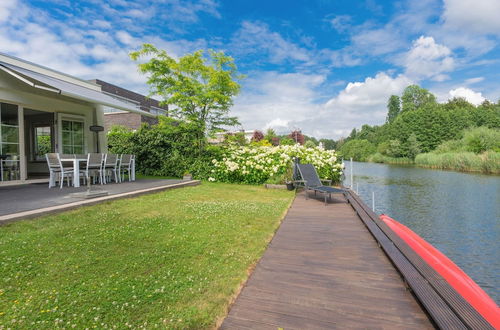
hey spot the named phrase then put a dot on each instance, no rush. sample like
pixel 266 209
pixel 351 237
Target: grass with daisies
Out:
pixel 173 259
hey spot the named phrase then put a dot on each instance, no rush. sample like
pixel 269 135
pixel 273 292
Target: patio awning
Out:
pixel 42 81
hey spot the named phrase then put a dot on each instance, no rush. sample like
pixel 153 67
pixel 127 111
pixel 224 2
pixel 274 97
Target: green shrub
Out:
pixel 481 139
pixel 310 144
pixel 450 146
pixel 357 149
pixel 286 142
pixel 170 148
pixel 394 148
pixel 383 147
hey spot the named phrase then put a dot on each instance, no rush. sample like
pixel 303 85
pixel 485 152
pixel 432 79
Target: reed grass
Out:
pixel 379 158
pixel 488 162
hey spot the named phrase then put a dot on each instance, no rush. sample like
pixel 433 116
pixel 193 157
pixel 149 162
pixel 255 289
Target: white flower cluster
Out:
pixel 257 164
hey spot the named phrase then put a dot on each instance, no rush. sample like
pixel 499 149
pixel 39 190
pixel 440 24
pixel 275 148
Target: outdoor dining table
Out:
pixel 76 169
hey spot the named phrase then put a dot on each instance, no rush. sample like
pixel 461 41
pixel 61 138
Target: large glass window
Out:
pixel 72 137
pixel 9 142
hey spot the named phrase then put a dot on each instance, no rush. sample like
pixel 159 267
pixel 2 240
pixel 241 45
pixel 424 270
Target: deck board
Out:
pixel 324 270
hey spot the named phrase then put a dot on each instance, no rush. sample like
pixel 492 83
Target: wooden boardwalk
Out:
pixel 323 270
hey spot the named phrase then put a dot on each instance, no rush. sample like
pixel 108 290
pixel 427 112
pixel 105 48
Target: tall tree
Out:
pixel 297 137
pixel 414 97
pixel 257 136
pixel 202 89
pixel 270 134
pixel 393 108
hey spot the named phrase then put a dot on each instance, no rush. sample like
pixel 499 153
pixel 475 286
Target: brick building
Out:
pixel 132 120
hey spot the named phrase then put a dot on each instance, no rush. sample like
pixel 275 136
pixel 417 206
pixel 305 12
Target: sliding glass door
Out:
pixel 9 142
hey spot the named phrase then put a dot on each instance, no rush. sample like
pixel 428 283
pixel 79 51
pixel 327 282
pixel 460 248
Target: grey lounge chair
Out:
pixel 311 181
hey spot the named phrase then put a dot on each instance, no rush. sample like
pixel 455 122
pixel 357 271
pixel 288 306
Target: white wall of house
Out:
pixel 14 91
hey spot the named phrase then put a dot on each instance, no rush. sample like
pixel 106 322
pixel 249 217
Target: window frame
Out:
pixel 71 118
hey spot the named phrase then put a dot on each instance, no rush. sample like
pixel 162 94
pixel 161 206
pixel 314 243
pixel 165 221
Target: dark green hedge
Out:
pixel 170 148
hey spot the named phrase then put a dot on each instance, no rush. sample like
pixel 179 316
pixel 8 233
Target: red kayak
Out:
pixel 456 277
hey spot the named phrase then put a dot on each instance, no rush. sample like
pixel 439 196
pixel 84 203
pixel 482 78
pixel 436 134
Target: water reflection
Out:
pixel 459 213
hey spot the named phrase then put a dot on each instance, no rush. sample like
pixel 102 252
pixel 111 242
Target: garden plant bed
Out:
pixel 173 259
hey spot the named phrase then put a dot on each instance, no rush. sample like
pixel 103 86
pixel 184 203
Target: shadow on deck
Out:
pixel 323 269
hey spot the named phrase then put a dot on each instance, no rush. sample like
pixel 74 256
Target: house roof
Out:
pixel 59 83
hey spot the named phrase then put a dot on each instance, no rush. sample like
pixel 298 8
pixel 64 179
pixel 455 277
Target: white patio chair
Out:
pixel 95 167
pixel 11 168
pixel 111 167
pixel 125 166
pixel 57 170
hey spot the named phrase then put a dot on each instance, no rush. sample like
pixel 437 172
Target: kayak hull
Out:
pixel 455 276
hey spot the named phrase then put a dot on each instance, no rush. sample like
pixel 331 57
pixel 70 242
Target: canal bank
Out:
pixel 459 213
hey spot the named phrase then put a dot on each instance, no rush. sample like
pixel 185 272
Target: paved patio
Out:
pixel 27 199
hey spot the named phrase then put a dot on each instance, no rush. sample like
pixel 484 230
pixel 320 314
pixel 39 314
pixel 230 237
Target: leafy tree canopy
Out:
pixel 357 150
pixel 415 97
pixel 201 89
pixel 393 107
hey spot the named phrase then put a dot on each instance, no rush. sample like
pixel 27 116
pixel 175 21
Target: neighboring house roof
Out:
pixel 145 103
pixel 44 78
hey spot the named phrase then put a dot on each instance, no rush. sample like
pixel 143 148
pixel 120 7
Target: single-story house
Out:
pixel 43 110
pixel 132 120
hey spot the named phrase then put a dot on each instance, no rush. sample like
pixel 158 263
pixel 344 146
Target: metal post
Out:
pixel 373 201
pixel 352 185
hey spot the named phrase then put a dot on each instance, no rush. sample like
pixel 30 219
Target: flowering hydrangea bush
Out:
pixel 256 165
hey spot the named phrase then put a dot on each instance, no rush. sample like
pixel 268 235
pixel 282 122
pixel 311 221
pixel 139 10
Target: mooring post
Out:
pixel 352 185
pixel 295 174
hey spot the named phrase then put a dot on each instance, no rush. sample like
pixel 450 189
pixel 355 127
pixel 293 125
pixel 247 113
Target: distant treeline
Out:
pixel 416 123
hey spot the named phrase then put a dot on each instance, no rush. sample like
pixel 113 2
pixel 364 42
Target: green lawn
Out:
pixel 174 259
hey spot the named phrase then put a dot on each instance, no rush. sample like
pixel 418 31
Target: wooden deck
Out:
pixel 323 270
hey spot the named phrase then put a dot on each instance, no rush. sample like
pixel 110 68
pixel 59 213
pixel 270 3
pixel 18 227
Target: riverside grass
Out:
pixel 488 162
pixel 379 158
pixel 173 260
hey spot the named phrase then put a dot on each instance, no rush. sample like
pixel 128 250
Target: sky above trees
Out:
pixel 320 66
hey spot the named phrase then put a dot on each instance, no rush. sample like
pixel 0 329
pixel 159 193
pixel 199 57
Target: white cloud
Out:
pixel 475 98
pixel 362 102
pixel 380 41
pixel 427 59
pixel 5 9
pixel 100 24
pixel 288 101
pixel 78 50
pixel 341 23
pixel 480 16
pixel 278 100
pixel 474 80
pixel 188 11
pixel 256 37
pixel 278 125
pixel 372 92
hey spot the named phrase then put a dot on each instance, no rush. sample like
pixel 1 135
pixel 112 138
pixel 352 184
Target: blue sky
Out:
pixel 322 66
